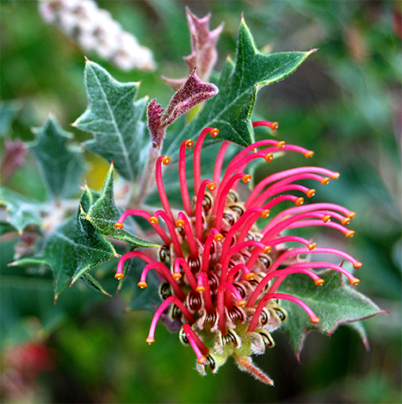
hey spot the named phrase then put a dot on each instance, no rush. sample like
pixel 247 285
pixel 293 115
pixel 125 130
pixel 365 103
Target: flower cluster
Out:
pixel 221 272
pixel 96 31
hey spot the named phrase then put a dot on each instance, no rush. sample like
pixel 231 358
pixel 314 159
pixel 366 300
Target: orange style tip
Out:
pixel 218 237
pixel 357 265
pixel 309 154
pixel 142 285
pixel 345 221
pixel 267 249
pixel 241 303
pixel 211 186
pixel 202 360
pixel 119 276
pixel 249 277
pixel 351 215
pixel 314 320
pixel 325 180
pixel 268 158
pixel 265 213
pixel 247 178
pixel 354 281
pixel 335 176
pixel 274 125
pixel 166 160
pixel 214 132
pixel 150 340
pixel 311 193
pixel 153 220
pixel 200 289
pixel 311 246
pixel 326 218
pixel 319 282
pixel 349 233
pixel 179 223
pixel 118 225
pixel 299 201
pixel 281 144
pixel 176 276
pixel 189 143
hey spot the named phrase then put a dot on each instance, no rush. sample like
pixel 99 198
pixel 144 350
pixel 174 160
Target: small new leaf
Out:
pixel 116 120
pixel 333 302
pixel 103 214
pixel 72 250
pixel 61 164
pixel 8 111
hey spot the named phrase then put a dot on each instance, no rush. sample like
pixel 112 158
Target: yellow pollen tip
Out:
pixel 326 218
pixel 179 223
pixel 211 186
pixel 202 360
pixel 153 220
pixel 319 282
pixel 214 132
pixel 345 221
pixel 166 160
pixel 350 233
pixel 142 285
pixel 150 340
pixel 200 289
pixel 281 144
pixel 351 214
pixel 268 158
pixel 357 265
pixel 311 193
pixel 247 178
pixel 267 249
pixel 299 201
pixel 354 281
pixel 119 276
pixel 312 246
pixel 118 225
pixel 189 143
pixel 218 237
pixel 241 303
pixel 176 275
pixel 274 125
pixel 335 176
pixel 309 154
pixel 315 320
pixel 325 180
pixel 249 277
pixel 265 213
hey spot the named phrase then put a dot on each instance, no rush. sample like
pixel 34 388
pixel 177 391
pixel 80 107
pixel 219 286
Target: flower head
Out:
pixel 221 271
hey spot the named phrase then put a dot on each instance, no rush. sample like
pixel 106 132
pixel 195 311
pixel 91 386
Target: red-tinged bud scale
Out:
pixel 221 270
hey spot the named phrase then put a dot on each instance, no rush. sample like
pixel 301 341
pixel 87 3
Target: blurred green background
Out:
pixel 344 103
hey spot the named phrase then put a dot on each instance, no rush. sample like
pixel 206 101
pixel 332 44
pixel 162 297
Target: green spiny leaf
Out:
pixel 116 120
pixel 22 211
pixel 72 250
pixel 333 302
pixel 103 214
pixel 230 111
pixel 60 163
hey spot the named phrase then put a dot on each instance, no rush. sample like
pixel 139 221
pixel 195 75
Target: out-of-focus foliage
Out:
pixel 344 103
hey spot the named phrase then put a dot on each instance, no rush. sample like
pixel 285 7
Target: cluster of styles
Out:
pixel 221 271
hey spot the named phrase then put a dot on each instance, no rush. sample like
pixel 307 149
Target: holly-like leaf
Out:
pixel 230 111
pixel 103 214
pixel 73 249
pixel 61 164
pixel 333 302
pixel 8 111
pixel 22 211
pixel 115 119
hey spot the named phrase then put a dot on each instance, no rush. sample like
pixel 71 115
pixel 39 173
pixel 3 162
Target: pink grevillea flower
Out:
pixel 221 271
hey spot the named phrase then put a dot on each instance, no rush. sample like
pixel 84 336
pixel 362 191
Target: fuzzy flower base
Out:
pixel 221 271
